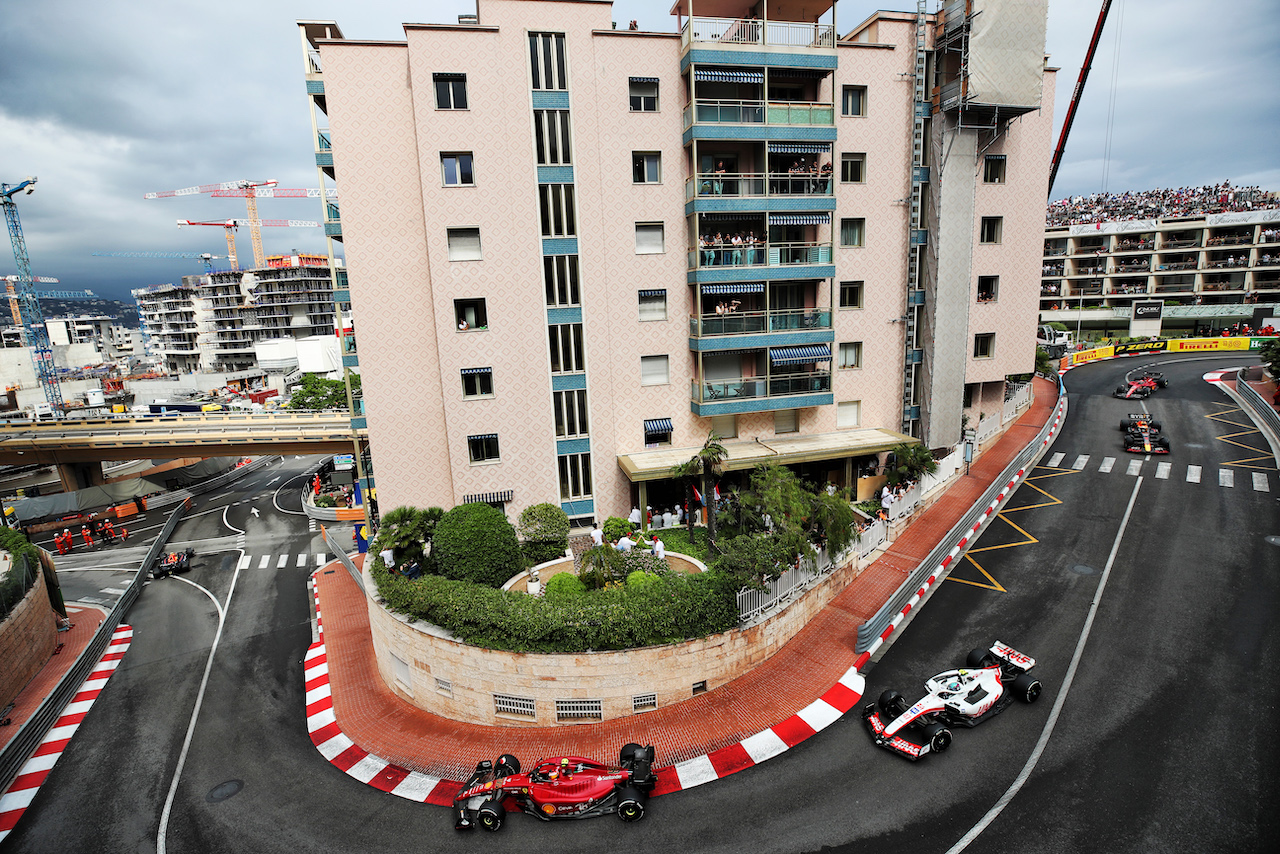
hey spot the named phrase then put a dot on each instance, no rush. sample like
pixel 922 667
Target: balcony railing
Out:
pixel 1182 243
pixel 763 255
pixel 757 184
pixel 748 31
pixel 324 142
pixel 757 322
pixel 747 388
pixel 716 111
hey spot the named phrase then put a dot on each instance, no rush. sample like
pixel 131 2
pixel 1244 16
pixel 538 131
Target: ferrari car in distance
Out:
pixel 1143 385
pixel 992 679
pixel 1142 434
pixel 558 787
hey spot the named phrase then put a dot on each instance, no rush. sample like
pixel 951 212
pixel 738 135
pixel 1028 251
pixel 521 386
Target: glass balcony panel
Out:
pixel 747 388
pixel 744 185
pixel 751 31
pixel 762 255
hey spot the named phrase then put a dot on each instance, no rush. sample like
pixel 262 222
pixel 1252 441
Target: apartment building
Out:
pixel 582 249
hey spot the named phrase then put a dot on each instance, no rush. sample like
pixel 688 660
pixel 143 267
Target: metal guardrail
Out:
pixel 1262 410
pixel 167 499
pixel 869 631
pixel 23 745
pixel 337 549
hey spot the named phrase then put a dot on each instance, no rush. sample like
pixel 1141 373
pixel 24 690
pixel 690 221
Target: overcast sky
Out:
pixel 105 101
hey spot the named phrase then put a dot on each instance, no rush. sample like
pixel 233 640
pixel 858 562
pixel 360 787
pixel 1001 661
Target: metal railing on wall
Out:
pixel 29 735
pixel 1262 410
pixel 341 553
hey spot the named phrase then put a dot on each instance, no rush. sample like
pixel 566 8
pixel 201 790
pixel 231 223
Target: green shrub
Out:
pixel 326 501
pixel 614 527
pixel 640 560
pixel 564 586
pixel 677 540
pixel 544 529
pixel 602 565
pixel 407 531
pixel 475 542
pixel 641 581
pixel 15 584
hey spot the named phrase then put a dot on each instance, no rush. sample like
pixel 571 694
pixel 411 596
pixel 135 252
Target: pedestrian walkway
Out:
pixel 372 734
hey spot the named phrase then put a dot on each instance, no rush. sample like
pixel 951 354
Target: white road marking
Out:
pixel 114 591
pixel 1055 459
pixel 302 560
pixel 1226 477
pixel 319 560
pixel 1107 463
pixel 283 560
pixel 1135 467
pixel 244 563
pixel 1260 483
pixel 266 559
pixel 1081 462
pixel 1162 470
pixel 1193 474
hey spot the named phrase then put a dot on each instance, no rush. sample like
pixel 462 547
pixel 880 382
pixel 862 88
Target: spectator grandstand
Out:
pixel 1159 204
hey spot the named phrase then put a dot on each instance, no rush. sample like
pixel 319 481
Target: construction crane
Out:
pixel 34 334
pixel 11 281
pixel 1075 95
pixel 231 225
pixel 203 256
pixel 245 189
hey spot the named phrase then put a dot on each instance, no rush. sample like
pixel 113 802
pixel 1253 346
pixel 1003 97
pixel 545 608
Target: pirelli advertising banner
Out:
pixel 1142 347
pixel 1173 345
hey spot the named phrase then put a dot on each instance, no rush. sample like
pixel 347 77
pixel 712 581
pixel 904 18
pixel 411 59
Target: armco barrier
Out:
pixel 337 548
pixel 924 575
pixel 20 748
pixel 1262 410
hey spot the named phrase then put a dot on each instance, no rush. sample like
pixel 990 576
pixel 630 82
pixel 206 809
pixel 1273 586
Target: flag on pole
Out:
pixel 697 496
pixel 716 487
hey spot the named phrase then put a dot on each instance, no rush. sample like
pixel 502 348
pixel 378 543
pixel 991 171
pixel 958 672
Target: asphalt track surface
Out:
pixel 1163 742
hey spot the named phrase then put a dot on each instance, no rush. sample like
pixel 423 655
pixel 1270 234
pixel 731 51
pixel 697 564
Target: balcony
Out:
pixel 758 185
pixel 788 113
pixel 759 322
pixel 765 254
pixel 760 393
pixel 749 32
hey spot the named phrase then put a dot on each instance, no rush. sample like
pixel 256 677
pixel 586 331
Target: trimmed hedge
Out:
pixel 545 530
pixel 475 542
pixel 672 608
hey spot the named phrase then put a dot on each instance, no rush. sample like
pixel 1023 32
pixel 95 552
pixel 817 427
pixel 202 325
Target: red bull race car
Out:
pixel 558 787
pixel 1143 385
pixel 991 681
pixel 1142 434
pixel 173 562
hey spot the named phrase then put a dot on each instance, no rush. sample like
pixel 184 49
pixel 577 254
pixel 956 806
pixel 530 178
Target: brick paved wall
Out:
pixel 27 640
pixel 473 676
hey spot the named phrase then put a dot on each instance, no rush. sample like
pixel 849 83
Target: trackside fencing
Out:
pixel 872 630
pixel 337 548
pixel 20 748
pixel 166 499
pixel 1262 410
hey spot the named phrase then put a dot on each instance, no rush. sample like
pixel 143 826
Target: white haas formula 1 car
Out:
pixel 964 697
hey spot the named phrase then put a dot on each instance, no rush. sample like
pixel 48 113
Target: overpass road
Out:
pixel 1146 599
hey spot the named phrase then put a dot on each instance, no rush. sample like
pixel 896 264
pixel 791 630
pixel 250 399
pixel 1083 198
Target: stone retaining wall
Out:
pixel 28 637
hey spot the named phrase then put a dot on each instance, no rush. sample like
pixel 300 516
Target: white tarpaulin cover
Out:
pixel 1006 52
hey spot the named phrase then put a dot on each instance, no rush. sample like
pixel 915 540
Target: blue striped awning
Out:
pixel 722 216
pixel 722 75
pixel 800 219
pixel 800 355
pixel 466 371
pixel 799 147
pixel 654 292
pixel 642 79
pixel 484 436
pixel 657 425
pixel 488 497
pixel 734 288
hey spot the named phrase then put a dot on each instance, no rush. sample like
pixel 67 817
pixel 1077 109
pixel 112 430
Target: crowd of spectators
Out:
pixel 1159 204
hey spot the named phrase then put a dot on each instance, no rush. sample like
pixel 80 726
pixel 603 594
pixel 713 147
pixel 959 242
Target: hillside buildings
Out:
pixel 576 250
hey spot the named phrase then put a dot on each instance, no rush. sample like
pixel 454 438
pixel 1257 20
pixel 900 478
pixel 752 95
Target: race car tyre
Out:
pixel 1026 688
pixel 980 658
pixel 1126 423
pixel 1163 444
pixel 891 705
pixel 1155 426
pixel 506 765
pixel 630 804
pixel 1162 382
pixel 629 754
pixel 938 737
pixel 491 814
pixel 1121 391
pixel 1144 394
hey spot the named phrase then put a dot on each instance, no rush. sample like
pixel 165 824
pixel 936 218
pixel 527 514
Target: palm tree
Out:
pixel 705 464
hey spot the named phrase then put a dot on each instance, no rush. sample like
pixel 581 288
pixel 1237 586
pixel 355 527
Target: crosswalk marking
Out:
pixel 1226 477
pixel 1135 466
pixel 283 560
pixel 1081 462
pixel 266 559
pixel 1162 470
pixel 1055 459
pixel 1260 482
pixel 319 560
pixel 1107 463
pixel 1193 474
pixel 244 562
pixel 302 560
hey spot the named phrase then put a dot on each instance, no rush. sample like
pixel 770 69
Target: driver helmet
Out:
pixel 565 771
pixel 953 685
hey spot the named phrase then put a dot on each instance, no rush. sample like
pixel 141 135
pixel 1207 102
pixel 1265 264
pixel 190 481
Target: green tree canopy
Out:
pixel 316 393
pixel 475 542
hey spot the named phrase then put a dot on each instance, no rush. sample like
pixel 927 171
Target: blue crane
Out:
pixel 34 334
pixel 203 256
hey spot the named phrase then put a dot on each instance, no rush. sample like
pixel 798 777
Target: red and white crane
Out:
pixel 231 225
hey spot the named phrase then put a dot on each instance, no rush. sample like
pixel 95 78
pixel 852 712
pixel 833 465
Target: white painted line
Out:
pixel 1260 483
pixel 819 714
pixel 1193 474
pixel 1162 470
pixel 334 746
pixel 1081 462
pixel 18 800
pixel 319 563
pixel 312 672
pixel 764 745
pixel 1107 464
pixel 77 707
pixel 283 560
pixel 1055 459
pixel 114 591
pixel 302 560
pixel 368 768
pixel 317 693
pixel 1226 477
pixel 320 720
pixel 416 787
pixel 266 559
pixel 39 763
pixel 854 681
pixel 1135 466
pixel 696 771
pixel 244 562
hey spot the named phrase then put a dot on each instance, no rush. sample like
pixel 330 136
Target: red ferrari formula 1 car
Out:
pixel 1143 385
pixel 558 787
pixel 1142 435
pixel 964 697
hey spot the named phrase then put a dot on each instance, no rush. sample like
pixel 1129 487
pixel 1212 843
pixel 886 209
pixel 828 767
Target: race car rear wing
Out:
pixel 1011 655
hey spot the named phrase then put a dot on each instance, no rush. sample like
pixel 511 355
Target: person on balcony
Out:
pixel 708 251
pixel 718 182
pixel 736 242
pixel 751 242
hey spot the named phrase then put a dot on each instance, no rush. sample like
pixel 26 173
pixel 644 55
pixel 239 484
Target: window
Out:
pixel 483 449
pixel 470 314
pixel 649 240
pixel 575 476
pixel 571 413
pixel 853 101
pixel 988 288
pixel 464 244
pixel 546 60
pixel 566 348
pixel 851 354
pixel 852 168
pixel 560 276
pixel 725 426
pixel 644 94
pixel 477 382
pixel 968 394
pixel 646 167
pixel 451 91
pixel 786 421
pixel 555 202
pixel 457 169
pixel 403 674
pixel 653 305
pixel 851 294
pixel 852 231
pixel 984 345
pixel 654 370
pixel 992 226
pixel 551 134
pixel 849 413
pixel 657 431
pixel 993 169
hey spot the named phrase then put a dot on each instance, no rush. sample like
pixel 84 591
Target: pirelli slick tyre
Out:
pixel 938 737
pixel 1162 382
pixel 491 815
pixel 1126 424
pixel 1026 688
pixel 891 704
pixel 1120 391
pixel 1155 426
pixel 979 658
pixel 506 765
pixel 630 804
pixel 1163 444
